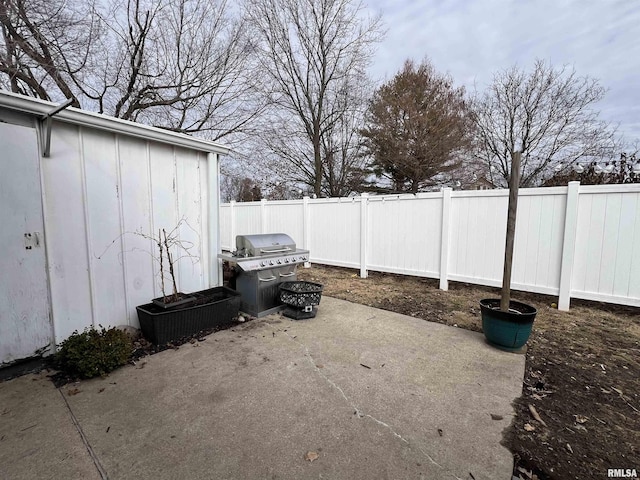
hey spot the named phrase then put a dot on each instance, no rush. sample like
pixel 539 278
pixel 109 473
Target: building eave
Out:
pixel 76 116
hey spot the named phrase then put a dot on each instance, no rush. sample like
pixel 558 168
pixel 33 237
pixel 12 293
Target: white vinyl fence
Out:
pixel 575 241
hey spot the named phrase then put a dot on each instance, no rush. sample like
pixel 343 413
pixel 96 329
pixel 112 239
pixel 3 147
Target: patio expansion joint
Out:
pixel 87 445
pixel 359 413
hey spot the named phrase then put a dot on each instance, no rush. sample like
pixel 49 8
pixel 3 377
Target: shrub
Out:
pixel 93 352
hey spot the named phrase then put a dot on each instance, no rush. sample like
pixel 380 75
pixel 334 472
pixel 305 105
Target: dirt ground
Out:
pixel 582 374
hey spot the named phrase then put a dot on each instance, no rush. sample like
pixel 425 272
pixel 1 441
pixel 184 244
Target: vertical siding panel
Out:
pixel 102 188
pixel 62 174
pixel 135 203
pixel 176 197
pixel 203 196
pixel 87 227
pixel 190 267
pixel 163 199
pixel 154 264
pixel 123 239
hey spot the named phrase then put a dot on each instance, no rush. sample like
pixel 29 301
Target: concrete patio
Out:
pixel 376 395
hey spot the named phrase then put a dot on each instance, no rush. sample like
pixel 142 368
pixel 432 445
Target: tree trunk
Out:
pixel 317 159
pixel 514 181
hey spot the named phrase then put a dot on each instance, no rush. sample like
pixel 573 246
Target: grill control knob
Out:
pixel 271 262
pixel 286 260
pixel 263 263
pixel 279 261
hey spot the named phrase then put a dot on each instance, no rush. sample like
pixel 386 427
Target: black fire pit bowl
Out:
pixel 300 298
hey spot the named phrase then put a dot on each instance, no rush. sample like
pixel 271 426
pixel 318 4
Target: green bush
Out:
pixel 93 352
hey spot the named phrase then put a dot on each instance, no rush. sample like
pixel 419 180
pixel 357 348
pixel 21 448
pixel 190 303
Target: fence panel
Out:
pixel 404 234
pixel 286 217
pixel 225 228
pixel 538 242
pixel 248 219
pixel 607 253
pixel 476 239
pixel 335 231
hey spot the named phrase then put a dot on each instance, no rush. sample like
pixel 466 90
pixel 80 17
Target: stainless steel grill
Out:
pixel 261 263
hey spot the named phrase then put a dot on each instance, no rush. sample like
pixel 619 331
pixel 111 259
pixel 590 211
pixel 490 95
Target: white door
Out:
pixel 25 328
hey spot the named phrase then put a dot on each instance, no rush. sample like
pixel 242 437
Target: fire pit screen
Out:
pixel 300 298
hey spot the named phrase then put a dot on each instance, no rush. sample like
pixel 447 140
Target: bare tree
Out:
pixel 314 52
pixel 624 170
pixel 240 189
pixel 346 167
pixel 417 128
pixel 183 65
pixel 547 114
pixel 45 45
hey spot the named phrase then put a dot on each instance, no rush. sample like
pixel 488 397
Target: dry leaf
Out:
pixel 73 391
pixel 535 415
pixel 496 417
pixel 528 427
pixel 525 472
pixel 569 448
pixel 311 456
pixel 581 419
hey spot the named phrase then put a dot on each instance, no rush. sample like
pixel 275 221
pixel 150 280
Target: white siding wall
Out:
pixel 404 234
pixel 99 190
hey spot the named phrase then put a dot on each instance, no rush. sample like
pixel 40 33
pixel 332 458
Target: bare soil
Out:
pixel 582 373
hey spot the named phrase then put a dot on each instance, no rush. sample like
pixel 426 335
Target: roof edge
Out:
pixel 38 107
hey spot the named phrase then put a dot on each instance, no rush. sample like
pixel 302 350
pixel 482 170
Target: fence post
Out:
pixel 363 234
pixel 305 223
pixel 263 215
pixel 444 239
pixel 568 245
pixel 232 224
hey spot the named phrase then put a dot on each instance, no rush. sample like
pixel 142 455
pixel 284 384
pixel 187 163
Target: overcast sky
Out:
pixel 472 39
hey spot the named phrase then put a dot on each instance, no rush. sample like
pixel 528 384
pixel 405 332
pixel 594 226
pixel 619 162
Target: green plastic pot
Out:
pixel 507 330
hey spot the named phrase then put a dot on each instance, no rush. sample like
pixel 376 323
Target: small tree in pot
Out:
pixel 507 323
pixel 165 243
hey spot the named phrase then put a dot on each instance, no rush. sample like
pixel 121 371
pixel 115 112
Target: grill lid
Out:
pixel 264 244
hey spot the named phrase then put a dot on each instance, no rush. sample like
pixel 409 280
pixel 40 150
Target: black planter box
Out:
pixel 213 308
